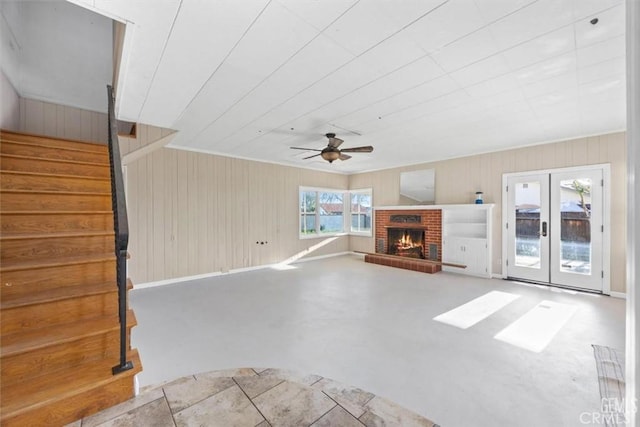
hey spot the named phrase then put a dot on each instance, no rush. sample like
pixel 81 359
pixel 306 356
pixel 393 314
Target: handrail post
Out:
pixel 121 227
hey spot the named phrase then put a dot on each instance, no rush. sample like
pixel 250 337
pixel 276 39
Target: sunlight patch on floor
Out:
pixel 286 264
pixel 476 310
pixel 535 329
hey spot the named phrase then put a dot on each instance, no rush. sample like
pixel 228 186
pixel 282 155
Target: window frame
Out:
pixel 365 233
pixel 346 212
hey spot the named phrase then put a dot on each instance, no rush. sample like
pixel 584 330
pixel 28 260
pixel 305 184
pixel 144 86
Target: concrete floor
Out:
pixel 371 327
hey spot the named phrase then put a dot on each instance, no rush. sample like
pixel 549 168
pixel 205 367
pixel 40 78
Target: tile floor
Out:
pixel 255 397
pixel 372 327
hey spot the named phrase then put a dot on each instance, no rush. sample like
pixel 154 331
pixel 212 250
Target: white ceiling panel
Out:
pixel 404 79
pixel 565 81
pixel 420 80
pixel 220 25
pixel 589 8
pixel 344 80
pixel 531 21
pixel 547 69
pixel 392 54
pixel 362 27
pixel 506 82
pixel 319 14
pixel 494 10
pixel 506 97
pixel 565 96
pixel 610 24
pixel 601 90
pixel 267 46
pixel 478 72
pixel 449 22
pixel 321 57
pixel 610 68
pixel 547 46
pixel 467 50
pixel 602 51
pixel 146 35
pixel 400 102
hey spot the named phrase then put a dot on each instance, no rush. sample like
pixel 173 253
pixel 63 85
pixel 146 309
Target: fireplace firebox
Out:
pixel 406 242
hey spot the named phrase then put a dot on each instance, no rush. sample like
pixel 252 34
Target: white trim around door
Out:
pixel 546 228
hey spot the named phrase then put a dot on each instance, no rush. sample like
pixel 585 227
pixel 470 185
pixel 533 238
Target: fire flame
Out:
pixel 405 242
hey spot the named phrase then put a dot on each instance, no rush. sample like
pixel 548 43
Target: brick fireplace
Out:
pixel 408 238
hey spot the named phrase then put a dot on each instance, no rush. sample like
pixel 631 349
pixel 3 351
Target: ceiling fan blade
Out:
pixel 365 149
pixel 315 155
pixel 344 156
pixel 305 149
pixel 335 142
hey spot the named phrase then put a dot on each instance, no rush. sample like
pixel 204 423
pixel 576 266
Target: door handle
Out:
pixel 544 229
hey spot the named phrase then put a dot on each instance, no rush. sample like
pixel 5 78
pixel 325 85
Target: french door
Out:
pixel 555 228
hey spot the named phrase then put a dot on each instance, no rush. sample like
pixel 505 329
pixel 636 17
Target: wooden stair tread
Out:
pixel 44 144
pixel 21 136
pixel 30 340
pixel 58 193
pixel 58 294
pixel 54 175
pixel 7 217
pixel 54 235
pixel 55 262
pixel 44 159
pixel 54 212
pixel 63 388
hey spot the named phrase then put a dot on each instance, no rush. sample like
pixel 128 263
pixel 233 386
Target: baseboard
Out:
pixel 315 258
pixel 175 280
pixel 165 282
pixel 618 295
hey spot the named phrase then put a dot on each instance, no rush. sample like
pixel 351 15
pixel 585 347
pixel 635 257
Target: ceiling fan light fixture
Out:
pixel 330 156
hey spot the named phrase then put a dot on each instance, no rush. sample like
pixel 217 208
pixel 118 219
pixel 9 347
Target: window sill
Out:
pixel 361 233
pixel 337 234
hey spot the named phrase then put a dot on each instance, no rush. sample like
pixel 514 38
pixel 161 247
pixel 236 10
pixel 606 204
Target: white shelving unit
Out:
pixel 466 238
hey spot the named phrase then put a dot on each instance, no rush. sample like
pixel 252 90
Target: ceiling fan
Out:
pixel 331 151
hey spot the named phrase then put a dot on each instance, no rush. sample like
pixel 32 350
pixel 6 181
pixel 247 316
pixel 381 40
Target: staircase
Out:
pixel 59 298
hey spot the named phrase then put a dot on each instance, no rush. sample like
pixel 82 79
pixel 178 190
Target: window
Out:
pixel 308 204
pixel 329 212
pixel 361 211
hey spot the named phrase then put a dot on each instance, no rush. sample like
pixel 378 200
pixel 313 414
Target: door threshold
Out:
pixel 553 285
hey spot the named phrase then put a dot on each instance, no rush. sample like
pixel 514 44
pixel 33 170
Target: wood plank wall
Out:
pixel 44 118
pixel 9 105
pixel 193 213
pixel 457 180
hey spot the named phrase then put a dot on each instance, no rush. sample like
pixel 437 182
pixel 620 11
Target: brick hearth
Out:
pixel 414 264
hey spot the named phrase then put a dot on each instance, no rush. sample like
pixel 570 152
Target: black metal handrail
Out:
pixel 121 226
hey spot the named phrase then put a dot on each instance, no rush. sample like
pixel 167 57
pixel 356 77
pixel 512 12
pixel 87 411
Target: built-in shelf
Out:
pixel 466 238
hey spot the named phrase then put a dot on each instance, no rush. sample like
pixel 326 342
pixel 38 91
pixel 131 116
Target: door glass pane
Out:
pixel 527 206
pixel 575 226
